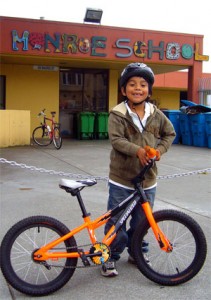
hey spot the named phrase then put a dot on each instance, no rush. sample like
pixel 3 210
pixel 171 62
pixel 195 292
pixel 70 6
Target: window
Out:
pixel 83 90
pixel 71 78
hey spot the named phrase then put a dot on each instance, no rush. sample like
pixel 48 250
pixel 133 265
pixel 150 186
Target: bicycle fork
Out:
pixel 163 241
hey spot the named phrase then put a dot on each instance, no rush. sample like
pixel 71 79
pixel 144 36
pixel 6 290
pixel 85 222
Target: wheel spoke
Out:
pixel 188 254
pixel 57 139
pixel 41 136
pixel 19 268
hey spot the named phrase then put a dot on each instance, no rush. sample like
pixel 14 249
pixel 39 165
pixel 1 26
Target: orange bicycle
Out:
pixel 45 134
pixel 39 254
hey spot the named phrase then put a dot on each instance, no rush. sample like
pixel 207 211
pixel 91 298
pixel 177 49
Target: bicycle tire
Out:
pixel 57 139
pixel 19 268
pixel 40 136
pixel 189 249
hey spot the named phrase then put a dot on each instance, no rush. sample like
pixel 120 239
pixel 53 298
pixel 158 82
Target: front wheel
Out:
pixel 41 136
pixel 16 256
pixel 57 139
pixel 189 248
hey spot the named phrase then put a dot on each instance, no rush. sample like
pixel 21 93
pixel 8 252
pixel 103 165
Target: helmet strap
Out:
pixel 139 118
pixel 139 103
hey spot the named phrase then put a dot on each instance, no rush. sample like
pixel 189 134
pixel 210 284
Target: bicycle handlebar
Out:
pixel 140 177
pixel 152 154
pixel 42 113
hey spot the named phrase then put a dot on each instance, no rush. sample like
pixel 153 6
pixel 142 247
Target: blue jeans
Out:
pixel 123 239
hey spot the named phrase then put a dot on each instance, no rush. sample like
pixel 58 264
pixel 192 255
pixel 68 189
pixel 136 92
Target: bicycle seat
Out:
pixel 68 184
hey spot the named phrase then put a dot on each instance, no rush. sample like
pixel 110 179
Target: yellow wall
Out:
pixel 166 99
pixel 33 90
pixel 14 128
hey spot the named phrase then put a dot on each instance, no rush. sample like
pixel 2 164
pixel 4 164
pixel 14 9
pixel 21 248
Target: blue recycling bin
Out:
pixel 197 122
pixel 185 129
pixel 208 128
pixel 173 116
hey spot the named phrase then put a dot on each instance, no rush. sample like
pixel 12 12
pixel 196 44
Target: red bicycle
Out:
pixel 45 134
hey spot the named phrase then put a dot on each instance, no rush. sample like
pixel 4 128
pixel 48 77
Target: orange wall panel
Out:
pixel 61 39
pixel 177 80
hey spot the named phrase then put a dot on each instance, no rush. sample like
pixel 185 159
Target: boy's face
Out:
pixel 136 90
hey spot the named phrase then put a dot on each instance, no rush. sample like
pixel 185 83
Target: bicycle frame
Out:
pixel 45 134
pixel 44 124
pixel 126 207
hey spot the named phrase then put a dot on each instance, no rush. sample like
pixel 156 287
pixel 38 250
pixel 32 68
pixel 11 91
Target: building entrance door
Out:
pixel 2 91
pixel 81 90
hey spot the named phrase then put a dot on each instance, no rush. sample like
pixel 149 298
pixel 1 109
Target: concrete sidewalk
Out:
pixel 26 192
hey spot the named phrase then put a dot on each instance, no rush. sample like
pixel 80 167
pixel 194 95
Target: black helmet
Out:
pixel 137 69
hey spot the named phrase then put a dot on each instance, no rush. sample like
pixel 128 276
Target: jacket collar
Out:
pixel 121 108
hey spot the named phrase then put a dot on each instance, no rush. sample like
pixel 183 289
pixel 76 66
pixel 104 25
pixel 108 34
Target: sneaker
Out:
pixel 145 247
pixel 109 268
pixel 147 259
pixel 131 260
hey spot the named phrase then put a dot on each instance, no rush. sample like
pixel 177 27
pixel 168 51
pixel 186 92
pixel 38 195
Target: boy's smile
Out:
pixel 136 89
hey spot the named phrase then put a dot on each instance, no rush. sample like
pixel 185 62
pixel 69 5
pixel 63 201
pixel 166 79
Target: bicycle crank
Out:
pixel 100 253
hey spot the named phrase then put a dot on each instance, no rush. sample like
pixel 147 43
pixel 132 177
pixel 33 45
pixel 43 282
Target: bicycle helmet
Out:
pixel 137 69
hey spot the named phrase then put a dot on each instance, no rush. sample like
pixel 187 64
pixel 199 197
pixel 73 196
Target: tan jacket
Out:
pixel 126 139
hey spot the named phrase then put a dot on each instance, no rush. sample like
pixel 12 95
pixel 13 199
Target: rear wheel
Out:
pixel 189 248
pixel 57 139
pixel 41 136
pixel 22 271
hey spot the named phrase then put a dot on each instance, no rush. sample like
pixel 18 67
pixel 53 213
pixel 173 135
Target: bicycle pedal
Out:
pixel 84 259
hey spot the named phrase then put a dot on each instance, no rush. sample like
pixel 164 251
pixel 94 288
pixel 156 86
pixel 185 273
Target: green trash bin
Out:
pixel 101 125
pixel 85 124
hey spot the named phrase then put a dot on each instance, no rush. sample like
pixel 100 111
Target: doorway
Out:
pixel 81 90
pixel 2 92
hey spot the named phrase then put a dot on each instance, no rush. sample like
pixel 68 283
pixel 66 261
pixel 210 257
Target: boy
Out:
pixel 132 125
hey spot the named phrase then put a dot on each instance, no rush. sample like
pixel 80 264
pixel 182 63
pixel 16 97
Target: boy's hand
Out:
pixel 158 155
pixel 142 155
pixel 152 153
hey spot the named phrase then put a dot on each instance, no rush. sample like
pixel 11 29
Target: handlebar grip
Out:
pixel 151 152
pixel 42 113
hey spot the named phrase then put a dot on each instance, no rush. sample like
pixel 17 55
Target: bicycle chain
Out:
pixel 105 178
pixel 69 267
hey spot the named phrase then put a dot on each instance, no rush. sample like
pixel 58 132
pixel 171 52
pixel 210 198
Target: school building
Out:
pixel 71 68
